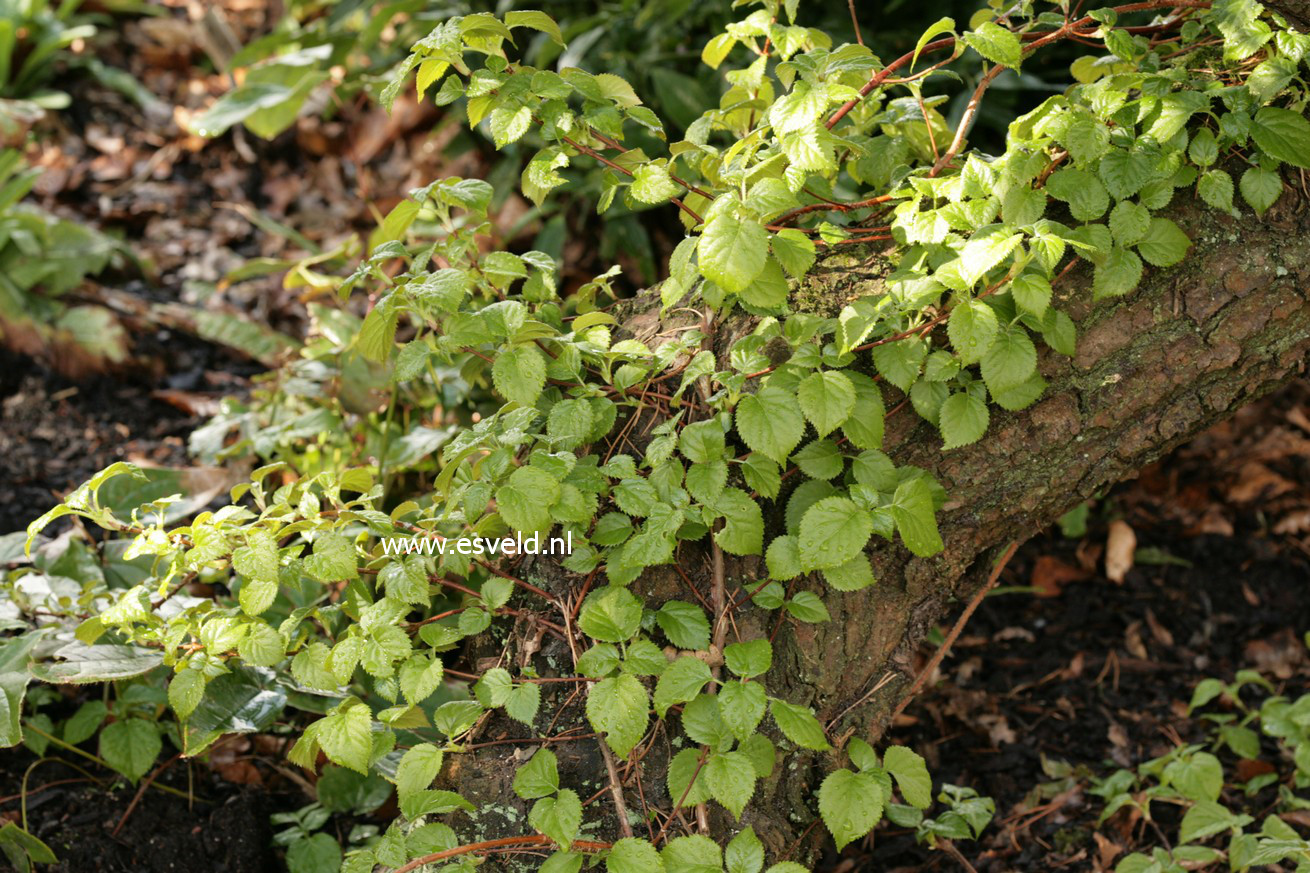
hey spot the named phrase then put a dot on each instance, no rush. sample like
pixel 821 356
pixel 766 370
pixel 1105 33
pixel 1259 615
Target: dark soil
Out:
pixel 55 434
pixel 224 830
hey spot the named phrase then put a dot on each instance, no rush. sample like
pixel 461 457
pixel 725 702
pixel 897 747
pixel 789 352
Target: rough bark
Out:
pixel 1297 12
pixel 1188 348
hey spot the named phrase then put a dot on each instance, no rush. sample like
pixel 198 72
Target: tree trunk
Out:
pixel 1182 352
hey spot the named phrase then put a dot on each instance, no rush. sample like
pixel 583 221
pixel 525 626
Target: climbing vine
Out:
pixel 636 446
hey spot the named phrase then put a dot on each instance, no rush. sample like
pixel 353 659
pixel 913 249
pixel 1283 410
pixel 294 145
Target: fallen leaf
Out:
pixel 1254 481
pixel 1294 522
pixel 1119 548
pixel 1050 575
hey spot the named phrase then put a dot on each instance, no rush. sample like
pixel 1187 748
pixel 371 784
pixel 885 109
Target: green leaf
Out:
pixel 539 777
pixel 680 682
pixel 631 855
pixel 942 25
pixel 682 769
pixel 246 700
pixel 692 854
pixel 81 664
pixel 794 251
pixel 850 804
pixel 911 775
pixel 702 442
pixel 525 499
pixel 314 854
pixel 745 852
pixel 418 768
pixel 1261 188
pixel 377 336
pixel 972 327
pixel 519 374
pixel 262 646
pixel 535 20
pixel 509 123
pixel 1206 819
pixel 651 184
pixel 899 361
pixel 962 419
pixel 619 708
pixel 523 703
pixel 83 724
pixel 1216 189
pixel 854 575
pixel 806 606
pixel 986 249
pixel 419 678
pixel 743 527
pixel 827 399
pixel 730 776
pixel 1125 172
pixel 130 746
pixel 1087 139
pixel 741 705
pixel 333 559
pixel 684 624
pixel 770 422
pixel 1119 273
pixel 1011 359
pixel 996 44
pixel 185 691
pixel 864 427
pixel 559 817
pixel 1032 293
pixel 749 658
pixel 1083 191
pixel 611 615
pixel 732 252
pixel 833 531
pixel 799 725
pixel 1129 222
pixel 1282 134
pixel 1165 244
pixel 916 521
pixel 346 735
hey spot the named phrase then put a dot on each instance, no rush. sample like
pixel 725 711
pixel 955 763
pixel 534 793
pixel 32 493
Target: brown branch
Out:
pixel 498 845
pixel 955 631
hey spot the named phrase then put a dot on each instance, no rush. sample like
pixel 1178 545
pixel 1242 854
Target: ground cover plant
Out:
pixel 785 449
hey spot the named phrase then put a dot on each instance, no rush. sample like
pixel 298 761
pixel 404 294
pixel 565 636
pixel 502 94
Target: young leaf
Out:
pixel 971 327
pixel 539 777
pixel 911 775
pixel 732 252
pixel 850 804
pixel 684 624
pixel 558 817
pixel 631 855
pixel 770 422
pixel 827 399
pixel 520 374
pixel 799 725
pixel 996 44
pixel 1165 244
pixel 744 853
pixel 416 770
pixel 730 777
pixel 130 746
pixel 833 531
pixel 1282 134
pixel 619 708
pixel 1261 188
pixel 962 420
